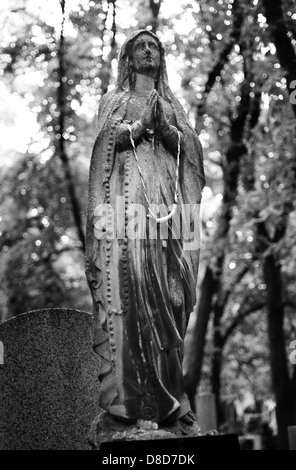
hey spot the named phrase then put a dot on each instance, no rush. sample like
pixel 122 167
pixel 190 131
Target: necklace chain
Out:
pixel 176 196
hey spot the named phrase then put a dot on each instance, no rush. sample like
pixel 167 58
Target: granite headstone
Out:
pixel 48 380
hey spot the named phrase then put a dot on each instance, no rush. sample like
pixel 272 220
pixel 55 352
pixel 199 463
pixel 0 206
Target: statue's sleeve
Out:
pixel 101 166
pixel 171 138
pixel 192 170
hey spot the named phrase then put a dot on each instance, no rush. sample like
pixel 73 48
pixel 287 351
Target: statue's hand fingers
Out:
pixel 154 103
pixel 160 109
pixel 152 98
pixel 159 102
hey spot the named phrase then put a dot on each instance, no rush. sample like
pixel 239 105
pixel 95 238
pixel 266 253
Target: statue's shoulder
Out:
pixel 110 100
pixel 106 98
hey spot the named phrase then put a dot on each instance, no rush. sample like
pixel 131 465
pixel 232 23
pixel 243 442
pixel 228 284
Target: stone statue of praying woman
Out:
pixel 146 156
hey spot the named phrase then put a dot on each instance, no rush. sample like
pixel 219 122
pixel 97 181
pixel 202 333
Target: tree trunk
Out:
pixel 279 34
pixel 217 361
pixel 61 143
pixel 283 388
pixel 193 375
pixel 155 7
pixel 212 283
pixel 106 65
pixel 238 18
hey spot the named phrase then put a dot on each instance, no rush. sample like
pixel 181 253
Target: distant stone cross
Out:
pixel 1 353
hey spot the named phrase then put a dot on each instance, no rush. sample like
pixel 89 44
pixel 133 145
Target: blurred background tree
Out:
pixel 231 64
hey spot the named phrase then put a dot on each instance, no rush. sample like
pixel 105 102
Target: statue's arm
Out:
pixel 170 135
pixel 90 240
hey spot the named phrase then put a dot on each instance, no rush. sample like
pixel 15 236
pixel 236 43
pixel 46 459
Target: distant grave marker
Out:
pixel 1 353
pixel 292 437
pixel 206 412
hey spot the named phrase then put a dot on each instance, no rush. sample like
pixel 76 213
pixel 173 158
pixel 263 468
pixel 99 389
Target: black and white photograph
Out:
pixel 148 228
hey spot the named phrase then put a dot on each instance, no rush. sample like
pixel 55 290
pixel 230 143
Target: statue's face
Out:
pixel 146 55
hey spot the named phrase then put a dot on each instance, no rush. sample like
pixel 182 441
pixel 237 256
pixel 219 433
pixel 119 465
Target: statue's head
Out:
pixel 144 57
pixel 141 53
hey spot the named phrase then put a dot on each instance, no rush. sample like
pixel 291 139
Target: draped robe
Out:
pixel 142 277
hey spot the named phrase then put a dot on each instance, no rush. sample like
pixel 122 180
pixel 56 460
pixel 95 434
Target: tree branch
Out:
pixel 212 283
pixel 223 57
pixel 61 143
pixel 237 280
pixel 105 74
pixel 155 7
pixel 235 323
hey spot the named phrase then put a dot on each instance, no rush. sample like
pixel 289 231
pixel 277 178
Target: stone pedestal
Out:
pixel 106 428
pixel 108 434
pixel 166 451
pixel 48 380
pixel 113 438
